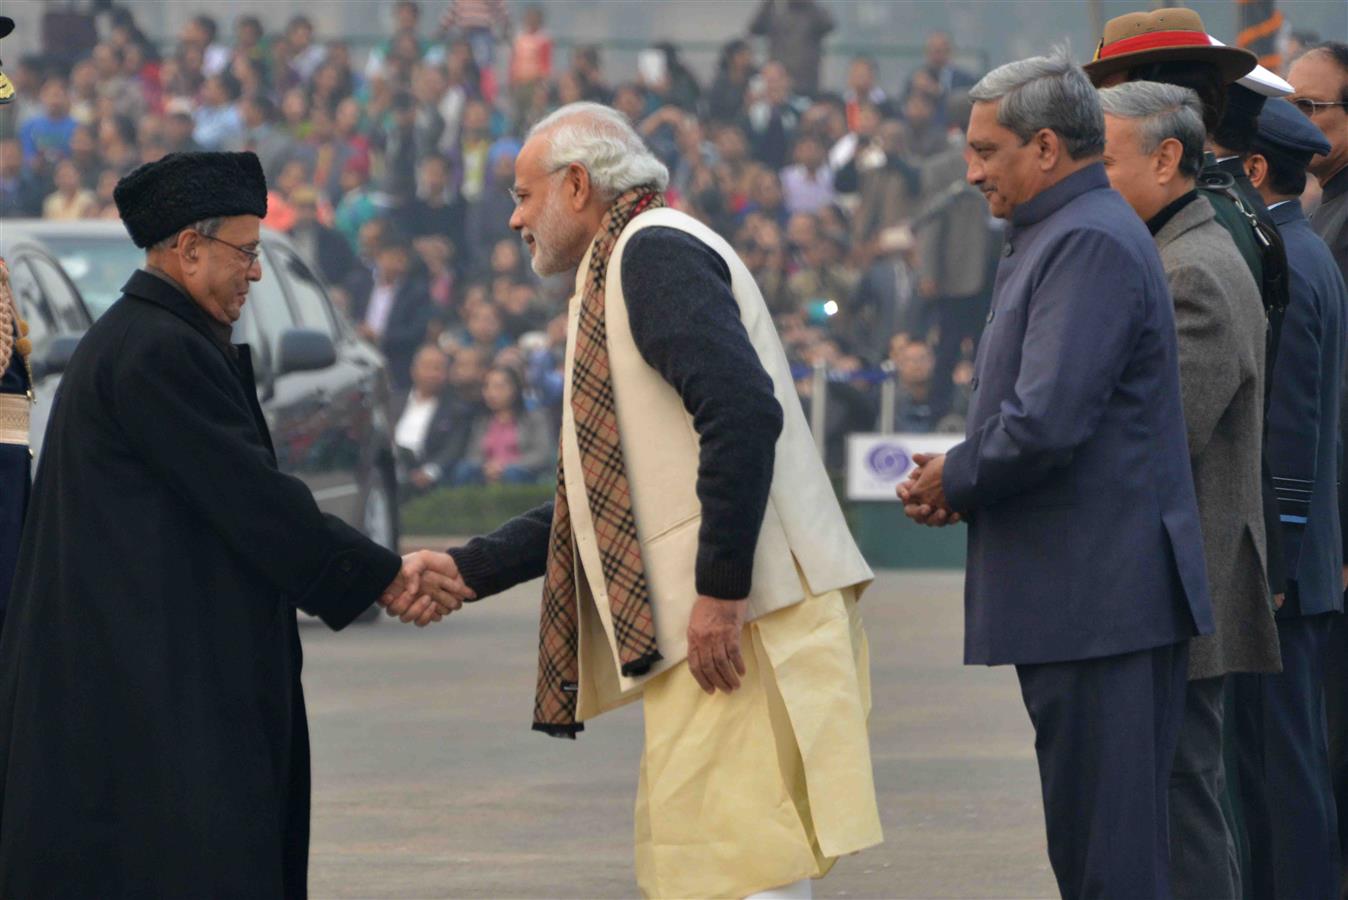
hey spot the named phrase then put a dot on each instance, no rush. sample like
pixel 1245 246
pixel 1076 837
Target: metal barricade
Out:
pixel 888 388
pixel 819 405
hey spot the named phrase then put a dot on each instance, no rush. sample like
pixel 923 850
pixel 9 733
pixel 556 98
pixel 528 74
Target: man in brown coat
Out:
pixel 1153 152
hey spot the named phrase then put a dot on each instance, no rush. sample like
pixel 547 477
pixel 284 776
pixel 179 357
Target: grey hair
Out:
pixel 1161 111
pixel 1046 92
pixel 601 139
pixel 207 227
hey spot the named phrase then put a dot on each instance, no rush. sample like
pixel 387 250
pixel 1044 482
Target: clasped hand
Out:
pixel 428 588
pixel 923 493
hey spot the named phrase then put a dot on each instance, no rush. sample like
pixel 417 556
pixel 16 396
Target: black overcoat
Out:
pixel 152 730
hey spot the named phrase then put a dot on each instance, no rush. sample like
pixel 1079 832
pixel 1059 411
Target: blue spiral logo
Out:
pixel 888 461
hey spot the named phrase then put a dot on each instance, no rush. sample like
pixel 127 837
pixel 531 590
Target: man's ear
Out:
pixel 1166 160
pixel 578 184
pixel 1048 148
pixel 1257 168
pixel 189 249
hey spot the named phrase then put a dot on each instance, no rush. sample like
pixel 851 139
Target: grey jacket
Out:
pixel 956 244
pixel 1220 321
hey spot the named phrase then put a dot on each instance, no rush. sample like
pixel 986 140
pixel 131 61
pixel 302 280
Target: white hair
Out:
pixel 1046 92
pixel 601 139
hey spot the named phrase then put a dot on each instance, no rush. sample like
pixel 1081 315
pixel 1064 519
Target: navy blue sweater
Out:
pixel 686 325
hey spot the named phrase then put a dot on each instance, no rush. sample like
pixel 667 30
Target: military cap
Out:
pixel 1260 80
pixel 1164 35
pixel 1287 129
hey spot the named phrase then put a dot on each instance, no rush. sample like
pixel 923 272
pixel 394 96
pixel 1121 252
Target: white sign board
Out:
pixel 876 463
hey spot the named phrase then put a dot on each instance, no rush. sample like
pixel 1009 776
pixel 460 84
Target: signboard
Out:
pixel 876 463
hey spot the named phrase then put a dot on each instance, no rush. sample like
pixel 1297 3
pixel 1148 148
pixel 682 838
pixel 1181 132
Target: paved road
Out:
pixel 428 782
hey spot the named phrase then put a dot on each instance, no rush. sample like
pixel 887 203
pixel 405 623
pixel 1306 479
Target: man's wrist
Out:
pixel 724 579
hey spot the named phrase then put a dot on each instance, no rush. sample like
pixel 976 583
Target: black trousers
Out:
pixel 15 486
pixel 1203 860
pixel 1284 768
pixel 1105 736
pixel 1336 713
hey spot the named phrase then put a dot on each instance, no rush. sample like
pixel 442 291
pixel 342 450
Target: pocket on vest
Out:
pixel 670 529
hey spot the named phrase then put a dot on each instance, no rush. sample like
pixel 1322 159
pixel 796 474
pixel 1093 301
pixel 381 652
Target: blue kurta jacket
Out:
pixel 1083 528
pixel 1303 416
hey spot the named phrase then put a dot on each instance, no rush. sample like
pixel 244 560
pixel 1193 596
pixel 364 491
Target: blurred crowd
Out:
pixel 391 171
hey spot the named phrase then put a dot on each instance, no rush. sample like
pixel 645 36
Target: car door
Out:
pixel 62 298
pixel 293 403
pixel 44 324
pixel 344 416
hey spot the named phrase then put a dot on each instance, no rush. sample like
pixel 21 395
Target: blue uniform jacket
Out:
pixel 1074 475
pixel 1303 416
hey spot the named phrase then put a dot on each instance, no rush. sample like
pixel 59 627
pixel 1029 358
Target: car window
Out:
pixel 267 301
pixel 99 266
pixel 61 297
pixel 32 305
pixel 311 301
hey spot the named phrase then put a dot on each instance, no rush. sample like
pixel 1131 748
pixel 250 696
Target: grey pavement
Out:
pixel 429 783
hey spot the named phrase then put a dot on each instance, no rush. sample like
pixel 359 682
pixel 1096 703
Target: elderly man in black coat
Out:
pixel 152 729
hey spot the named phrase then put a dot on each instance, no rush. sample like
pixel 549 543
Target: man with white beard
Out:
pixel 695 554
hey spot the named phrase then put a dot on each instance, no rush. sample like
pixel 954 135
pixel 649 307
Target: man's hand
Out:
pixel 421 478
pixel 923 494
pixel 714 643
pixel 1279 600
pixel 428 588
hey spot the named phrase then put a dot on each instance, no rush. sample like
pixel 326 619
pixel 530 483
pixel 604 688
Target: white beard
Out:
pixel 554 241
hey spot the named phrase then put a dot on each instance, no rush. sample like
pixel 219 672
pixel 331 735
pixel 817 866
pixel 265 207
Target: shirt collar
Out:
pixel 1050 200
pixel 1286 211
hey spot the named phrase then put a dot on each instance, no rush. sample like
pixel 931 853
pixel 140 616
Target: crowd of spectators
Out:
pixel 390 173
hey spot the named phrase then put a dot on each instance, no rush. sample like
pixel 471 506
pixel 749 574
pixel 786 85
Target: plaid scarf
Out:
pixel 610 500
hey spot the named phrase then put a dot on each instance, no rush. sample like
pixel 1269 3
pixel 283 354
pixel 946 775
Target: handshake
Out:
pixel 428 588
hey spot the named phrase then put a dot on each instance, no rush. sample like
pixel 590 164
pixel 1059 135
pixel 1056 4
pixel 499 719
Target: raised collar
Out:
pixel 1285 213
pixel 1158 221
pixel 1336 186
pixel 162 292
pixel 1197 211
pixel 1050 200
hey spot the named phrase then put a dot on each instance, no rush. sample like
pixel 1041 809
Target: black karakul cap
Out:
pixel 161 198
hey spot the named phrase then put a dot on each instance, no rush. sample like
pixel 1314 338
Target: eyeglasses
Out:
pixel 517 199
pixel 252 255
pixel 1311 107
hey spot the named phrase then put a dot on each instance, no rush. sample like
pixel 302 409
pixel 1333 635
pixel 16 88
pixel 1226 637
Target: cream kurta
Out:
pixel 744 792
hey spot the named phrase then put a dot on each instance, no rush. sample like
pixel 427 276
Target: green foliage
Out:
pixel 464 511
